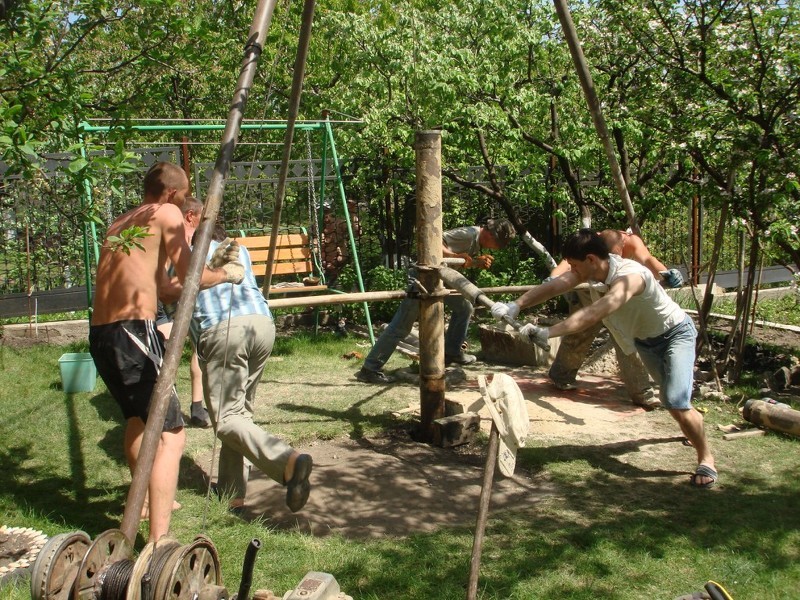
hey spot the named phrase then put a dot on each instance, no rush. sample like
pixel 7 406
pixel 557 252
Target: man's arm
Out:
pixel 173 237
pixel 553 286
pixel 635 249
pixel 169 288
pixel 484 261
pixel 550 289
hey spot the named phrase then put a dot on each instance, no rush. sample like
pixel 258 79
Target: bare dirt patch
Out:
pixel 391 485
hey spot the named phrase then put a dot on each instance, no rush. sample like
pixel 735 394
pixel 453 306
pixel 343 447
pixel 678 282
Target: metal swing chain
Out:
pixel 313 209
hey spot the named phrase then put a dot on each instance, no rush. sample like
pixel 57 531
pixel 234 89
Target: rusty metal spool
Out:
pixel 147 565
pixel 56 567
pixel 190 571
pixel 109 547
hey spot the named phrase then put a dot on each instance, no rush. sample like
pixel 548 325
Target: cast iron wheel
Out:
pixel 57 565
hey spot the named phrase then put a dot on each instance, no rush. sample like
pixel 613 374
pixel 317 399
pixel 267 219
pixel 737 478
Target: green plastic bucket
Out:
pixel 78 373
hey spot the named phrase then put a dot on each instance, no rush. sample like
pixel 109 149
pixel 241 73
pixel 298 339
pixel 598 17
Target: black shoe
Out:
pixel 199 416
pixel 377 377
pixel 460 359
pixel 298 488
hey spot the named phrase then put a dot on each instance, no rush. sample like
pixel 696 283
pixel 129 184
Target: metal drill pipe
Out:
pixel 456 281
pixel 247 568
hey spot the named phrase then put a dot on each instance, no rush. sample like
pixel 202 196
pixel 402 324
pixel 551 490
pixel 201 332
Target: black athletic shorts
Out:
pixel 162 318
pixel 128 358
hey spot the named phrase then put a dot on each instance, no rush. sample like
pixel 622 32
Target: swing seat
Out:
pixel 292 261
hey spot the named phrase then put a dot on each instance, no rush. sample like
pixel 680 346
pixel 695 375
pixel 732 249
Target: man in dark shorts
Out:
pixel 123 338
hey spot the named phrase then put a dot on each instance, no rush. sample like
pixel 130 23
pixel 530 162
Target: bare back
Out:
pixel 127 284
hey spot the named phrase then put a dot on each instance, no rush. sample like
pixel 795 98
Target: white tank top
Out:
pixel 646 315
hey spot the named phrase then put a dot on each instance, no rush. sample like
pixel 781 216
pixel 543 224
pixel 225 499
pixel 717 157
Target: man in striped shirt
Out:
pixel 233 331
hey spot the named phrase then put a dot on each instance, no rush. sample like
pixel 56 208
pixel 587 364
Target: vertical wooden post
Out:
pixel 697 237
pixel 428 148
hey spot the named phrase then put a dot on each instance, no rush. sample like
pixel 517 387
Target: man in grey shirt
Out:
pixel 462 242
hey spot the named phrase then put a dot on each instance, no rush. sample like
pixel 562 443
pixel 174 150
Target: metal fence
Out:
pixel 42 240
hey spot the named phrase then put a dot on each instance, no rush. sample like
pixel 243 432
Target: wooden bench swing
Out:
pixel 293 259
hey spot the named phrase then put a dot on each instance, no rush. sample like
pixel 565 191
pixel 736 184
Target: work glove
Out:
pixel 672 278
pixel 234 272
pixel 536 335
pixel 484 261
pixel 226 252
pixel 505 309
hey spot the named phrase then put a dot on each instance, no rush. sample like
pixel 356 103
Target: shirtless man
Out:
pixel 192 210
pixel 123 338
pixel 574 347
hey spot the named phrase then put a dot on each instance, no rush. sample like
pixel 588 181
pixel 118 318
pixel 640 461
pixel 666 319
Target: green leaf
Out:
pixel 77 164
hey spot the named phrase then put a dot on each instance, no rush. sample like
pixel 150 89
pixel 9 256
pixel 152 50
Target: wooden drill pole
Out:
pixel 169 367
pixel 428 148
pixel 592 100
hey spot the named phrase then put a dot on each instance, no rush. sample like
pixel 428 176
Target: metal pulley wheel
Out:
pixel 56 566
pixel 148 566
pixel 191 571
pixel 109 547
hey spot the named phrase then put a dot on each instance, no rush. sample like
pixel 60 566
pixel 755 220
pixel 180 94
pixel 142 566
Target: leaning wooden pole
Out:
pixel 492 451
pixel 294 108
pixel 592 100
pixel 428 148
pixel 169 367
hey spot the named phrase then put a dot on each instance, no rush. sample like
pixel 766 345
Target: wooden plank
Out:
pixel 281 254
pixel 744 434
pixel 284 241
pixel 293 268
pixel 730 279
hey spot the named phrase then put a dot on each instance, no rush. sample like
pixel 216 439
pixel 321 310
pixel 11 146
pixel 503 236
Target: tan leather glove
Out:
pixel 234 272
pixel 227 251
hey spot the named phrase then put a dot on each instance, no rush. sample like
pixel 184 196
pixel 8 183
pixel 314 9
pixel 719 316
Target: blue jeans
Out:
pixel 669 358
pixel 403 321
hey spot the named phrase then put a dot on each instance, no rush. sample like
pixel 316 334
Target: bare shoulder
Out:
pixel 635 249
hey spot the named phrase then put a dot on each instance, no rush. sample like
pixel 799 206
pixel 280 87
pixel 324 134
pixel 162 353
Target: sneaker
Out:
pixel 377 377
pixel 646 401
pixel 460 359
pixel 199 416
pixel 564 385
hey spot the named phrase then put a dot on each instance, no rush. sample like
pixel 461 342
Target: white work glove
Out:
pixel 234 272
pixel 505 309
pixel 672 278
pixel 226 252
pixel 536 335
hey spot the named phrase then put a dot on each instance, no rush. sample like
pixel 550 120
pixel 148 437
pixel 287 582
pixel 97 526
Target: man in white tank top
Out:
pixel 641 317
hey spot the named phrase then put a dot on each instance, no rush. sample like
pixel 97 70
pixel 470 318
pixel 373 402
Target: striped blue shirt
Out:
pixel 226 300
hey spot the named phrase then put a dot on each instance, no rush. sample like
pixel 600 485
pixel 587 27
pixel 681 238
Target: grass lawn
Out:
pixel 607 533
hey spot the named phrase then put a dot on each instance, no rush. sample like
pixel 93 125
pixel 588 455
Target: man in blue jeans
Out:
pixel 641 317
pixel 463 242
